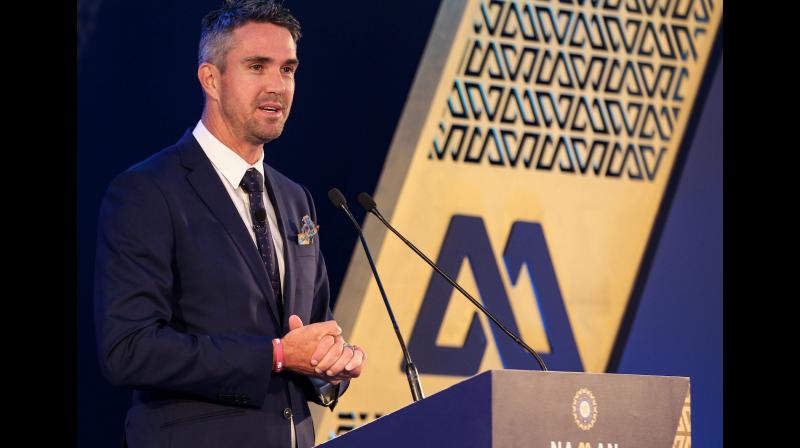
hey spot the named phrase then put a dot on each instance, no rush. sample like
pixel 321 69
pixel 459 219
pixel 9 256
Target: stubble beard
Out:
pixel 254 129
pixel 264 134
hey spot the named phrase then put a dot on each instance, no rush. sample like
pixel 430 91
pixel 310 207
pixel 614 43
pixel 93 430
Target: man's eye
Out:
pixel 256 67
pixel 288 69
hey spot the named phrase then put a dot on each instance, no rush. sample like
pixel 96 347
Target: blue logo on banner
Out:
pixel 525 248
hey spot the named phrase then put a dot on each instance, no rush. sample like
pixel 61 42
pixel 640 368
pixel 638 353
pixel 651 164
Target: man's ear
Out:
pixel 209 76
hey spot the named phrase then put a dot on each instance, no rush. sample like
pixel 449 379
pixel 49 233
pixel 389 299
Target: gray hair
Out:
pixel 218 26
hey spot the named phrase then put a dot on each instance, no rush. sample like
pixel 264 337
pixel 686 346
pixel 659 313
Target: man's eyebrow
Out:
pixel 266 59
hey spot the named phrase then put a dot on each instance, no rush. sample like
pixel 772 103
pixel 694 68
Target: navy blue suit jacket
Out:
pixel 184 311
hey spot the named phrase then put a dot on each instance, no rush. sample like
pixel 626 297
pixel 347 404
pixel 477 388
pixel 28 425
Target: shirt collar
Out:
pixel 224 159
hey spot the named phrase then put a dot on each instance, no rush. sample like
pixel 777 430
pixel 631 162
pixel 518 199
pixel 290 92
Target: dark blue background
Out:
pixel 138 92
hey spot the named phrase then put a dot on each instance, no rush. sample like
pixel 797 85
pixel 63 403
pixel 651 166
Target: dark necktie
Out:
pixel 253 184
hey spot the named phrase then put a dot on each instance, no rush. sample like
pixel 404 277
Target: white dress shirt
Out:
pixel 230 168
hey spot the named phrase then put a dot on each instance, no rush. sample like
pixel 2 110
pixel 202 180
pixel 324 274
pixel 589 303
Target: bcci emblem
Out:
pixel 584 409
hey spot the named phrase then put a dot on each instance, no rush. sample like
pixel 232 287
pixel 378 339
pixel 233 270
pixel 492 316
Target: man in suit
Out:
pixel 211 293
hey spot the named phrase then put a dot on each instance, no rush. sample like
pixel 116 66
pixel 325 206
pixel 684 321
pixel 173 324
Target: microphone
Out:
pixel 261 220
pixel 370 206
pixel 261 215
pixel 338 200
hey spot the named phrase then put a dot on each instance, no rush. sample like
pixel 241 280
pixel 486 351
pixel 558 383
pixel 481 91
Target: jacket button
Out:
pixel 287 413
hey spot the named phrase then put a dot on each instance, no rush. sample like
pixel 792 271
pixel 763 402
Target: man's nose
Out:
pixel 274 82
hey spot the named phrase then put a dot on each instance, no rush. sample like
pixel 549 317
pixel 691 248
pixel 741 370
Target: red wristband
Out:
pixel 277 365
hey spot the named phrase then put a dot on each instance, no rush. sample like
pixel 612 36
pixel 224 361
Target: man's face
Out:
pixel 257 86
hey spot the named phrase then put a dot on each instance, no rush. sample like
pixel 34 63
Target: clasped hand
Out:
pixel 319 350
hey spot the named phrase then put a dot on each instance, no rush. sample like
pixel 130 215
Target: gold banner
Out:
pixel 530 160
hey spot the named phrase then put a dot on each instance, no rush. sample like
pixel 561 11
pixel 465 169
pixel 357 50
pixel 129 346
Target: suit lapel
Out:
pixel 205 181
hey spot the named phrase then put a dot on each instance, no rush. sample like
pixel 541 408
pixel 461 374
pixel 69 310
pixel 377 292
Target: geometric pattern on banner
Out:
pixel 577 88
pixel 573 87
pixel 683 436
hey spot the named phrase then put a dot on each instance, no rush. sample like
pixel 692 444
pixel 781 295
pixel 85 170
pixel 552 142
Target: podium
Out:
pixel 517 408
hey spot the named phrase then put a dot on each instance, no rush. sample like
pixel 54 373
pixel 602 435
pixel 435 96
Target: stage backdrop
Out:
pixel 561 160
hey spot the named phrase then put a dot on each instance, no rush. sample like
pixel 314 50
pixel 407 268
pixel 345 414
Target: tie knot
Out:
pixel 252 182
